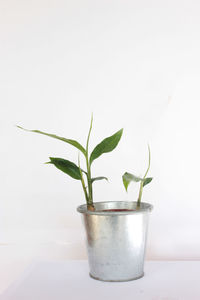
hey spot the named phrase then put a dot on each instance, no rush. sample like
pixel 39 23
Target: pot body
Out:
pixel 116 240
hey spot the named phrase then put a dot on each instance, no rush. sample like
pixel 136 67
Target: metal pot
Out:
pixel 116 240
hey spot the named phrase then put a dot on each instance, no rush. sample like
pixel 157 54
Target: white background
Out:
pixel 134 64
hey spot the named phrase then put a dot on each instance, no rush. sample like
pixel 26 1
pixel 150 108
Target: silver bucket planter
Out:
pixel 116 240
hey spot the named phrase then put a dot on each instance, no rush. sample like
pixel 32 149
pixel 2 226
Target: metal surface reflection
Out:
pixel 116 240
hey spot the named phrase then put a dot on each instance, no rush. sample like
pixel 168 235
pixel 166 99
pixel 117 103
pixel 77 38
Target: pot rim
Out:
pixel 146 207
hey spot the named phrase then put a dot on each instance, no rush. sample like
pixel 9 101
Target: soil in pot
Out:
pixel 115 210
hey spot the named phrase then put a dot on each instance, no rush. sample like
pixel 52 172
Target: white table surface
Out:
pixel 172 280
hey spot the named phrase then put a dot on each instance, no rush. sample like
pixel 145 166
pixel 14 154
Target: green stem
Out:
pixel 140 194
pixel 141 183
pixel 83 182
pixel 89 182
pixel 90 201
pixel 88 138
pixel 148 163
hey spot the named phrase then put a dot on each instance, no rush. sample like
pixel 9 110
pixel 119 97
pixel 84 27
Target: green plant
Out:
pixel 76 172
pixel 128 177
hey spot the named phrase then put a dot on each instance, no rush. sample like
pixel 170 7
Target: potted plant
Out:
pixel 116 231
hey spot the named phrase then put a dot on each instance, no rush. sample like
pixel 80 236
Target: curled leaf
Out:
pixel 98 178
pixel 128 177
pixel 147 180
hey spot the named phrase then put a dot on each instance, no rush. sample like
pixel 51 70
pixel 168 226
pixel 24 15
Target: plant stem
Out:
pixel 141 183
pixel 90 193
pixel 148 163
pixel 89 183
pixel 140 194
pixel 83 182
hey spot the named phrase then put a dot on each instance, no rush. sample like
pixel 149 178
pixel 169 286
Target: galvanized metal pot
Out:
pixel 116 240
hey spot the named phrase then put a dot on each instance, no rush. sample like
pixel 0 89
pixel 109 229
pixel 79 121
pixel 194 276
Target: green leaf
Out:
pixel 147 180
pixel 66 166
pixel 98 178
pixel 69 141
pixel 128 177
pixel 107 145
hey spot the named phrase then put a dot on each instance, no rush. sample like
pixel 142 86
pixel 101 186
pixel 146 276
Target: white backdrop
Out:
pixel 134 64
